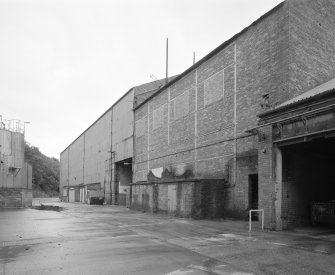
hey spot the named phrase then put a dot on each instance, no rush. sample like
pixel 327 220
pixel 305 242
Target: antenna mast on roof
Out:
pixel 167 59
pixel 153 77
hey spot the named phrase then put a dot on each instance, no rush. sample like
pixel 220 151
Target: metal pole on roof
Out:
pixel 167 59
pixel 24 126
pixel 193 58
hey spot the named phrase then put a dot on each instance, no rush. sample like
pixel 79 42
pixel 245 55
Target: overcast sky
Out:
pixel 64 63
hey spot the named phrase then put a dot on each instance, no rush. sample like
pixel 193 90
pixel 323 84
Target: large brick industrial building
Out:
pixel 248 126
pixel 198 134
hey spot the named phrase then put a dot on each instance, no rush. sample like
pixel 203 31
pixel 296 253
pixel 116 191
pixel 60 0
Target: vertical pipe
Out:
pixel 68 174
pixel 84 156
pixel 129 194
pixel 148 129
pixel 193 58
pixel 167 59
pixel 196 121
pixel 168 124
pixel 249 220
pixel 235 115
pixel 262 219
pixel 111 185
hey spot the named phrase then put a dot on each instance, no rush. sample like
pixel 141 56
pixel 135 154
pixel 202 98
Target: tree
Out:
pixel 45 172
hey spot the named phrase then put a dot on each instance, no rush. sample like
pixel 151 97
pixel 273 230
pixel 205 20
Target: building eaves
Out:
pixel 212 53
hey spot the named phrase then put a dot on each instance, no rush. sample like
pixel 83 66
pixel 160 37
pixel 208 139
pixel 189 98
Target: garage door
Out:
pixel 172 198
pixel 71 195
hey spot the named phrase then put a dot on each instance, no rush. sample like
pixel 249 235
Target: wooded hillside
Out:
pixel 45 172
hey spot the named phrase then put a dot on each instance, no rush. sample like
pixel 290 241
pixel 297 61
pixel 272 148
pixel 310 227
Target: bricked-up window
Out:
pixel 182 105
pixel 213 88
pixel 140 127
pixel 158 117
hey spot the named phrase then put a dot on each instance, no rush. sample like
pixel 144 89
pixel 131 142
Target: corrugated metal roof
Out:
pixel 143 89
pixel 330 85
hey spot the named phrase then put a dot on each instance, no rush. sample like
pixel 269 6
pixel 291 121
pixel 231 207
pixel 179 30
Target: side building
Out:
pixel 15 173
pixel 198 149
pixel 98 164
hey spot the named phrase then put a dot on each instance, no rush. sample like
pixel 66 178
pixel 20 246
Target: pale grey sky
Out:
pixel 65 62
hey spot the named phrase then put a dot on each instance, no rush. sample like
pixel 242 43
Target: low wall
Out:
pixel 15 197
pixel 186 198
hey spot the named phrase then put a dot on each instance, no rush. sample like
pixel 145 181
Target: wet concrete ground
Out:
pixel 85 239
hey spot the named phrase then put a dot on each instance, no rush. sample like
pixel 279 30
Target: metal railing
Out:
pixel 250 217
pixel 13 125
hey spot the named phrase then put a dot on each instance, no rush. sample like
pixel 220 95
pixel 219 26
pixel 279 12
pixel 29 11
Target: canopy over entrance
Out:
pixel 301 136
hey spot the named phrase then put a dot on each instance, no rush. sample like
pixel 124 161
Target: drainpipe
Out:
pixel 111 161
pixel 133 161
pixel 167 59
pixel 68 173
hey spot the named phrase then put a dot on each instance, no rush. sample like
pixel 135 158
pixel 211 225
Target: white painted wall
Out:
pixel 84 161
pixel 63 168
pixel 76 158
pixel 97 149
pixel 122 132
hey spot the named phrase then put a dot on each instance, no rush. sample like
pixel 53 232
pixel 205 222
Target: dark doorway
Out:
pixel 308 192
pixel 253 195
pixel 123 178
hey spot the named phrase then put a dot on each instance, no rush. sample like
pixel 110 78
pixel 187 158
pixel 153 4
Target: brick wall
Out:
pixel 266 177
pixel 197 129
pixel 262 66
pixel 223 95
pixel 196 199
pixel 312 47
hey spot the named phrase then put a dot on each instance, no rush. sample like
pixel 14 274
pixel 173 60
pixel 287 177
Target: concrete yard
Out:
pixel 85 239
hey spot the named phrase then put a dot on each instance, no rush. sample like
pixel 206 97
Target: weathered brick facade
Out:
pixel 193 198
pixel 198 123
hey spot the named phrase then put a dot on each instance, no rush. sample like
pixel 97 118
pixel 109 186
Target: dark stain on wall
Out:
pixel 197 199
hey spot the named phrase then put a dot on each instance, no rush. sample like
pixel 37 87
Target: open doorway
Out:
pixel 253 195
pixel 124 176
pixel 308 194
